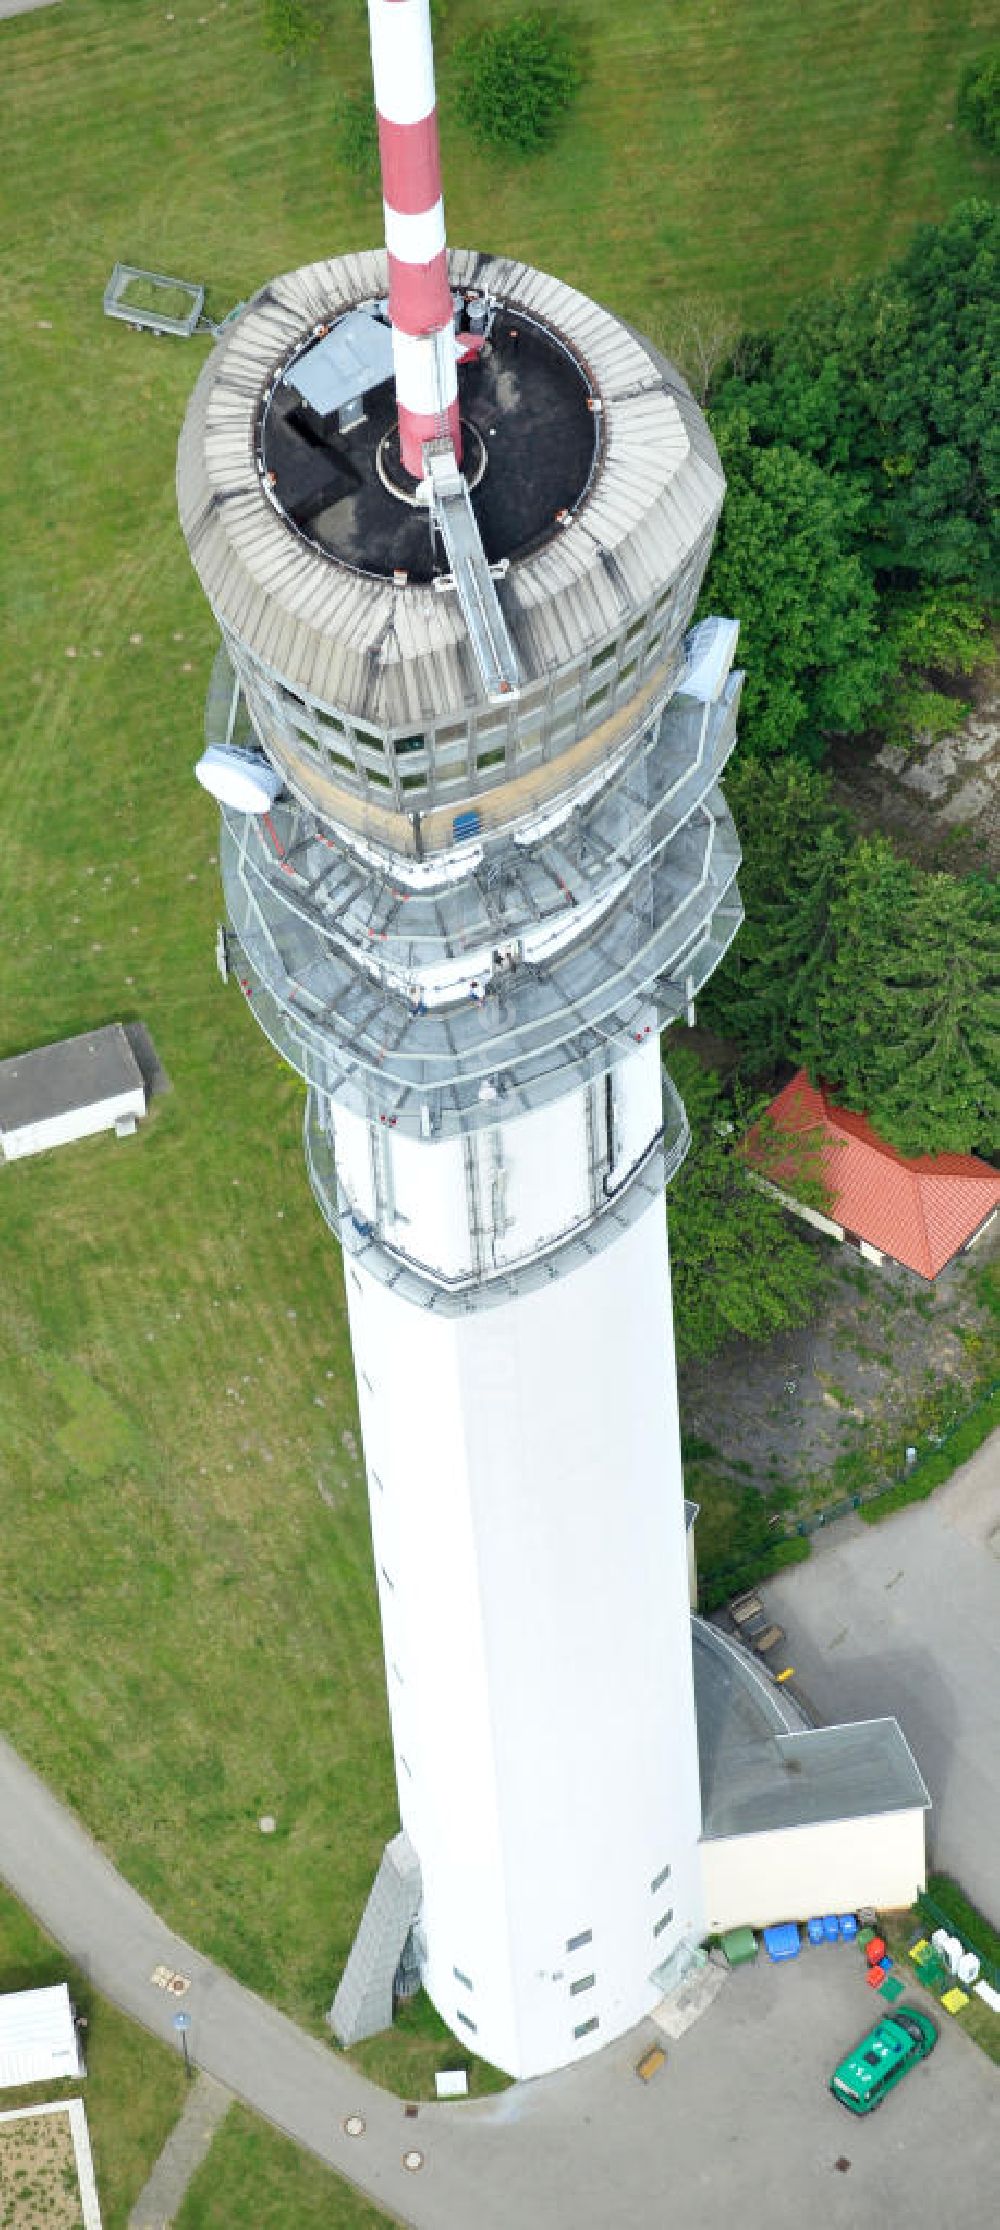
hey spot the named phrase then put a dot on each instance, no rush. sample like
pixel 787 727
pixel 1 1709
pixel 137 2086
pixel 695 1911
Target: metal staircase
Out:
pixel 470 571
pixel 363 2005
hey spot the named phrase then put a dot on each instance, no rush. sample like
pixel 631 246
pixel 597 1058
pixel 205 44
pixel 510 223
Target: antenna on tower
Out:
pixel 422 316
pixel 421 312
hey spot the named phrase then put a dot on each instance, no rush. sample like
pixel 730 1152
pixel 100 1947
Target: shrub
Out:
pixel 289 27
pixel 932 1470
pixel 965 1917
pixel 978 105
pixel 516 79
pixel 355 134
pixel 718 1583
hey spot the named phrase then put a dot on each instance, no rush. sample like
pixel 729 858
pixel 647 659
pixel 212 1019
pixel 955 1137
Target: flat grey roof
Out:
pixel 76 1072
pixel 356 356
pixel 763 1768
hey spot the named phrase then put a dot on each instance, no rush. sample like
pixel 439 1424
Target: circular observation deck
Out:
pixel 597 491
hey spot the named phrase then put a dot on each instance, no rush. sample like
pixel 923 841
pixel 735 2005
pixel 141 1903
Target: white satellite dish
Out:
pixel 242 779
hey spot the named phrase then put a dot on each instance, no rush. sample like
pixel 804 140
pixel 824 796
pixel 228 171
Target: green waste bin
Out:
pixel 739 1945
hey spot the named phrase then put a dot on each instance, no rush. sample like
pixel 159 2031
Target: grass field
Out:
pixel 254 2177
pixel 133 2089
pixel 191 1635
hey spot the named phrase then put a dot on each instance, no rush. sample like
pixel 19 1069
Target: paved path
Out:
pixel 904 1617
pixel 206 2105
pixel 742 2107
pixel 53 1865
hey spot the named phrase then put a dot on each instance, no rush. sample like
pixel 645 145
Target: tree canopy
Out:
pixel 906 1021
pixel 978 106
pixel 740 1265
pixel 888 386
pixel 794 848
pixel 862 444
pixel 517 78
pixel 784 560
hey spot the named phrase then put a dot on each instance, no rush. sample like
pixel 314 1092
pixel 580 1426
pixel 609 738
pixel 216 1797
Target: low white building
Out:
pixel 38 2037
pixel 69 1090
pixel 798 1820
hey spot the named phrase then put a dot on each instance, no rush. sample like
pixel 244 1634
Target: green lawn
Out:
pixel 253 2177
pixel 134 2087
pixel 976 2019
pixel 407 2058
pixel 191 1635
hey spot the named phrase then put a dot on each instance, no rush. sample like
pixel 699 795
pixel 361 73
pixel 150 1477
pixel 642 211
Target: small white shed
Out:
pixel 38 2037
pixel 69 1090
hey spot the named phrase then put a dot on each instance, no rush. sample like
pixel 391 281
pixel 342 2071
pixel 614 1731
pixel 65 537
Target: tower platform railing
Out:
pixel 380 1243
pixel 518 884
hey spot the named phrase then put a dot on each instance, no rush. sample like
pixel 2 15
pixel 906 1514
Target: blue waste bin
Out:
pixel 782 1941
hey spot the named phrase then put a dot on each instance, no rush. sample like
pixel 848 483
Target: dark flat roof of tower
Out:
pixel 525 407
pixel 762 1767
pixel 379 652
pixel 76 1072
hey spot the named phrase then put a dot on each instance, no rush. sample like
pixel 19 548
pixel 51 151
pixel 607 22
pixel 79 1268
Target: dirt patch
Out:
pixel 887 1361
pixel 39 2187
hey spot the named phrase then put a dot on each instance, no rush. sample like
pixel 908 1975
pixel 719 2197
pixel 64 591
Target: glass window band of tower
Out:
pixel 451 760
pixel 505 887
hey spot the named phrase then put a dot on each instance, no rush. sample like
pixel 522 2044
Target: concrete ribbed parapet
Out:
pixel 360 682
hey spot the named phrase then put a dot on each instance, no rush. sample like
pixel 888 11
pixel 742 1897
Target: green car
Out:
pixel 881 2059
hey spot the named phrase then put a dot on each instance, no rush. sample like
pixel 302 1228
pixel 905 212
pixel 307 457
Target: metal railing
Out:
pixel 369 1232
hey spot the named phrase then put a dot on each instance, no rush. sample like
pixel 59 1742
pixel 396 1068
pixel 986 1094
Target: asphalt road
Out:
pixel 740 2123
pixel 904 1617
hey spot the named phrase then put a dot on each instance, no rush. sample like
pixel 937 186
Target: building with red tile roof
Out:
pixel 920 1211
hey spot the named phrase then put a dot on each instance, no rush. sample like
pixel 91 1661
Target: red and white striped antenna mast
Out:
pixel 420 303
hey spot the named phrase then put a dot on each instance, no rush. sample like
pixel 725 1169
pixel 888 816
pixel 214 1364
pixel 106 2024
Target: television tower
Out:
pixel 452 518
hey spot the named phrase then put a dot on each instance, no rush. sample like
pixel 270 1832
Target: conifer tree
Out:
pixel 740 1264
pixel 907 1019
pixel 794 847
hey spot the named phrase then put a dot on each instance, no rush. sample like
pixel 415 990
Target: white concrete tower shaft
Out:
pixel 528 1526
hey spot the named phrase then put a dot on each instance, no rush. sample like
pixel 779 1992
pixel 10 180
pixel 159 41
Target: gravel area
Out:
pixel 870 1373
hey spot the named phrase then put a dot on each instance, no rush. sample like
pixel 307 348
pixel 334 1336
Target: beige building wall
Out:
pixel 830 1867
pixel 798 1208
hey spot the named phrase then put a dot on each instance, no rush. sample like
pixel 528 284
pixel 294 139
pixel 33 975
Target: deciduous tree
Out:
pixel 740 1264
pixel 784 561
pixel 516 79
pixel 888 386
